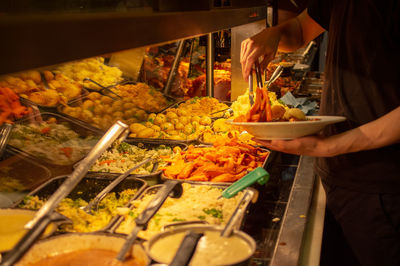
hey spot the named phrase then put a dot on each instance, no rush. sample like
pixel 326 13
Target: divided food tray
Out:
pixel 116 222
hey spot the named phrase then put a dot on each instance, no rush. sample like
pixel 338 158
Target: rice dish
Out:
pixel 82 221
pixel 197 203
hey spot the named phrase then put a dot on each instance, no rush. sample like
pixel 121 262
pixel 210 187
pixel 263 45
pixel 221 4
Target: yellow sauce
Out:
pixel 12 224
pixel 212 249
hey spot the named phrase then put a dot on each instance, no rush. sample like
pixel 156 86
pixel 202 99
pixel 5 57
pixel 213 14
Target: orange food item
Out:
pixel 226 161
pixel 10 106
pixel 261 109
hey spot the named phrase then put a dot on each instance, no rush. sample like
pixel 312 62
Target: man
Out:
pixel 358 160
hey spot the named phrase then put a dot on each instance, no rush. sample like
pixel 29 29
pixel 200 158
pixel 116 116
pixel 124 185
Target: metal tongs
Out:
pixel 275 75
pixel 43 216
pixel 259 81
pixel 170 186
pixel 99 197
pixel 103 87
pixel 4 136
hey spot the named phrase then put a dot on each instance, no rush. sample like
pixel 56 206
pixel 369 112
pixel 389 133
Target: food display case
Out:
pixel 278 220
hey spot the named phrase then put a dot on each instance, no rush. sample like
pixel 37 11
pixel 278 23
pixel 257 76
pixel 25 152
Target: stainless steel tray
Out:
pixel 116 222
pixel 164 178
pixel 27 171
pixel 155 176
pixel 82 129
pixel 88 187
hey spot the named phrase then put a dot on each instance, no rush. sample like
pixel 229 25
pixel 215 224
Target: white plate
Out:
pixel 287 130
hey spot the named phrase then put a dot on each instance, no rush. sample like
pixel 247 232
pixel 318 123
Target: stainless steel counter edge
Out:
pixel 290 239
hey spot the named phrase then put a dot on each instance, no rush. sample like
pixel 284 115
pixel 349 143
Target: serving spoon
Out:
pixel 170 186
pixel 95 201
pixel 43 216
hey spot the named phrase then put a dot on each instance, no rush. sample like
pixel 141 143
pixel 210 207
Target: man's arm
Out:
pixel 375 134
pixel 288 36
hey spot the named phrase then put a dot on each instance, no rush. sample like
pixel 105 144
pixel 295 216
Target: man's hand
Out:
pixel 264 44
pixel 379 133
pixel 311 146
pixel 289 36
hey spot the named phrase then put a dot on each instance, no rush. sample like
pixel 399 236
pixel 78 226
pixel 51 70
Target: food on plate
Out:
pixel 103 111
pixel 12 222
pixel 10 106
pixel 29 85
pixel 52 142
pixel 212 249
pixel 124 156
pixel 82 221
pixel 93 68
pixel 142 96
pixel 197 203
pixel 262 111
pixel 242 105
pixel 226 161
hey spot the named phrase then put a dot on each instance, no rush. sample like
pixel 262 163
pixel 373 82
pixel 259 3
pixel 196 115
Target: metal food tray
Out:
pixel 104 91
pixel 116 222
pixel 175 105
pixel 172 141
pixel 26 170
pixel 77 103
pixel 83 130
pixel 164 178
pixel 154 176
pixel 88 187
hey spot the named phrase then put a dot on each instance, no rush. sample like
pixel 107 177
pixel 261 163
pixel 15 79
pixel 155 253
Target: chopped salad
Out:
pixel 123 156
pixel 52 142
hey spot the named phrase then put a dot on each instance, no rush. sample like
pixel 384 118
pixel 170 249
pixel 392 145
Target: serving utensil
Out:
pixel 44 80
pixel 142 220
pixel 102 87
pixel 251 90
pixel 43 216
pixel 258 74
pixel 275 75
pixel 99 197
pixel 5 131
pixel 186 249
pixel 240 209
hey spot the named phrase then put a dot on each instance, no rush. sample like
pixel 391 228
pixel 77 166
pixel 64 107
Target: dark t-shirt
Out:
pixel 362 84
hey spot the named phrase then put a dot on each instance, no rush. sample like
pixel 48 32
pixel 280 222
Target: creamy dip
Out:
pixel 212 249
